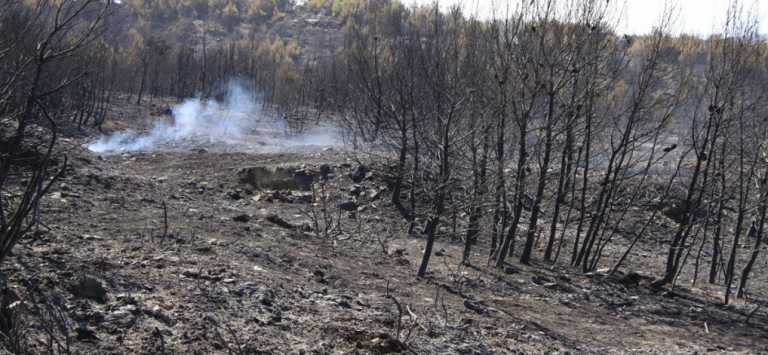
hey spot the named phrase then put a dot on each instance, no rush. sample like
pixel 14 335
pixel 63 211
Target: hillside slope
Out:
pixel 174 252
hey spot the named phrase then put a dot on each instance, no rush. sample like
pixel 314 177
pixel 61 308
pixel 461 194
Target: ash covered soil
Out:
pixel 242 269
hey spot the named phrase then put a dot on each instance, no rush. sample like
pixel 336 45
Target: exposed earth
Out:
pixel 188 251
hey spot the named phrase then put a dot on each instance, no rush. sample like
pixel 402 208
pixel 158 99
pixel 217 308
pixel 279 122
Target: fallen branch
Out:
pixel 276 220
pixel 749 316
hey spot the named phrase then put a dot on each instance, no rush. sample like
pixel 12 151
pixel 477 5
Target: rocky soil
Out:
pixel 196 251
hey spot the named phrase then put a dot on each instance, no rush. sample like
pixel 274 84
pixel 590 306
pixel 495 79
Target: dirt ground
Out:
pixel 170 252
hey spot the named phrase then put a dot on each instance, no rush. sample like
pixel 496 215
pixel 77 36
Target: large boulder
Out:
pixel 276 178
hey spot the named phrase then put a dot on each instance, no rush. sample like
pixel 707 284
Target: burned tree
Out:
pixel 42 35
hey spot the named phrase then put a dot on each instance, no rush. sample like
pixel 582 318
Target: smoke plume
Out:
pixel 235 124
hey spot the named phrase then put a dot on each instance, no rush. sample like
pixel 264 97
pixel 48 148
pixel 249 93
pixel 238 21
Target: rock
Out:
pixel 399 252
pixel 8 299
pixel 359 174
pixel 301 197
pixel 509 270
pixel 86 335
pixel 276 178
pixel 326 171
pixel 191 273
pixel 148 200
pixel 356 190
pixel 631 279
pixel 384 344
pixel 475 306
pixel 349 206
pixel 374 194
pixel 92 237
pixel 275 219
pixel 243 218
pixel 235 195
pixel 122 317
pixel 303 179
pixel 319 276
pixel 70 195
pixel 204 249
pixel 265 296
pixel 540 280
pixel 157 313
pixel 57 196
pixel 275 318
pixel 90 288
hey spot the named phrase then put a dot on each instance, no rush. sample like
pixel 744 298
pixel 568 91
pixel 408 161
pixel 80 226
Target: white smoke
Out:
pixel 236 124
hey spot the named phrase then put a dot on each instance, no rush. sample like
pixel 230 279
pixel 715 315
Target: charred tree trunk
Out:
pixel 745 273
pixel 525 257
pixel 507 246
pixel 562 183
pixel 480 182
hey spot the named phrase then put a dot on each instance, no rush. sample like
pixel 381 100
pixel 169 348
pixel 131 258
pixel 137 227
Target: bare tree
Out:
pixel 63 30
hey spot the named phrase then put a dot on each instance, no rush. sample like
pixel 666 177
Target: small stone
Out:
pixel 356 190
pixel 374 194
pixel 86 335
pixel 90 288
pixel 631 279
pixel 399 252
pixel 123 316
pixel 157 313
pixel 349 206
pixel 325 171
pixel 204 249
pixel 359 174
pixel 384 344
pixel 477 307
pixel 540 280
pixel 243 218
pixel 265 296
pixel 191 273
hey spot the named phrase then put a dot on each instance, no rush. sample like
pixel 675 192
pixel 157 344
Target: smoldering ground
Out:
pixel 237 123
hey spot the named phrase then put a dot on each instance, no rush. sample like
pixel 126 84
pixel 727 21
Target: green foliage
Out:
pixel 227 12
pixel 370 10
